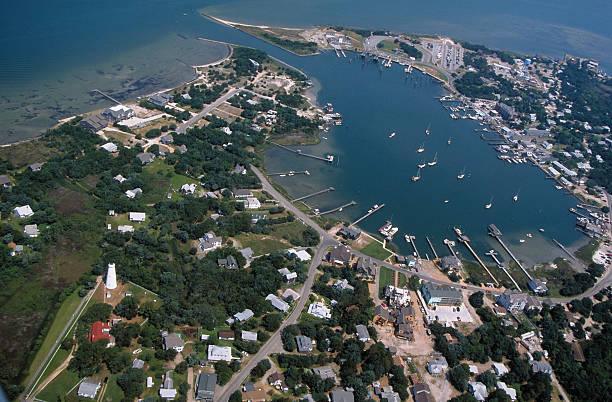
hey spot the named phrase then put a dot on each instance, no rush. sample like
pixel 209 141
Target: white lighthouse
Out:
pixel 111 277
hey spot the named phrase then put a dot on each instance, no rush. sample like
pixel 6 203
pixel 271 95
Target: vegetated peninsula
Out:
pixel 158 261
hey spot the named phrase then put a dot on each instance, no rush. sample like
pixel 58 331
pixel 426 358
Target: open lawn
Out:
pixel 26 153
pixel 388 46
pixel 585 253
pixel 556 277
pixel 376 250
pixel 59 387
pixel 61 318
pixel 386 278
pixel 161 179
pixel 261 244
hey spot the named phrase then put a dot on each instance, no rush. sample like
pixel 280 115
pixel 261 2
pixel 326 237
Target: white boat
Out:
pixel 515 198
pixel 392 135
pixel 418 176
pixel 435 160
pixel 340 210
pixel 490 204
pixel 461 175
pixel 522 240
pixel 446 201
pixel 421 148
pixel 324 137
pixel 558 187
pixel 422 165
pixel 529 235
pixel 541 230
pixel 427 129
pixel 449 141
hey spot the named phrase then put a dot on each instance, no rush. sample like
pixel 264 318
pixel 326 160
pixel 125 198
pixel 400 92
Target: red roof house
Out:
pixel 99 330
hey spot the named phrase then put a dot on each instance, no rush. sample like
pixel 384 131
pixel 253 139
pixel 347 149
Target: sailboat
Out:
pixel 392 135
pixel 434 162
pixel 422 165
pixel 421 148
pixel 427 129
pixel 418 176
pixel 449 141
pixel 461 175
pixel 515 198
pixel 490 204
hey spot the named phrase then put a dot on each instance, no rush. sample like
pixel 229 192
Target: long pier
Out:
pixel 329 159
pixel 368 214
pixel 572 210
pixel 106 96
pixel 501 266
pixel 410 240
pixel 564 249
pixel 495 232
pixel 338 208
pixel 432 247
pixel 313 194
pixel 466 240
pixel 290 173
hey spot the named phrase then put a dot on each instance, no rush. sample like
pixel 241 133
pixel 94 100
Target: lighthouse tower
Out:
pixel 111 277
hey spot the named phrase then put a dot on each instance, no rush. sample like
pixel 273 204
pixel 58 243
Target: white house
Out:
pixel 301 255
pixel 500 369
pixel 137 216
pixel 252 203
pixel 133 192
pixel 109 147
pixel 24 211
pixel 125 228
pixel 31 230
pixel 119 178
pixel 217 353
pixel 88 388
pixel 319 310
pixel 226 130
pixel 188 188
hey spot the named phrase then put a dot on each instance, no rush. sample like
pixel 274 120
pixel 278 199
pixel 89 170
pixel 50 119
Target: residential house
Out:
pixel 541 367
pixel 301 255
pixel 387 395
pixel 338 395
pixel 167 139
pixel 538 286
pixel 188 188
pixel 228 263
pixel 95 122
pixel 288 276
pixel 349 233
pixel 239 169
pixel 138 364
pixel 35 167
pixel 325 372
pixel 404 331
pixel 23 212
pixel 88 388
pixel 365 268
pixel 226 335
pixel 361 332
pixel 277 303
pixel 304 344
pixel 173 341
pixel 249 336
pixel 506 112
pixel 257 216
pixel 133 193
pixel 397 297
pixel 125 228
pixel 500 369
pixel 319 310
pixel 5 181
pixel 383 317
pixel 109 147
pixel 512 301
pixel 168 391
pixel 278 380
pixel 243 315
pixel 101 330
pixel 119 178
pixel 437 365
pixel 422 393
pixel 217 353
pixel 182 149
pixel 117 113
pixel 478 390
pixel 252 203
pixel 451 263
pixel 160 99
pixel 145 157
pixel 441 295
pixel 205 387
pixel 247 253
pixel 209 242
pixel 340 255
pixel 342 284
pixel 511 392
pixel 226 130
pixel 137 216
pixel 31 230
pixel 242 193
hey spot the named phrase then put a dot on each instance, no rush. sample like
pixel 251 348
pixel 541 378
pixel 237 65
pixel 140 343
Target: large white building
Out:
pixel 111 277
pixel 217 353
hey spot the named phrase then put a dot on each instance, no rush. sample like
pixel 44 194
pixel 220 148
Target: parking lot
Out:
pixel 449 314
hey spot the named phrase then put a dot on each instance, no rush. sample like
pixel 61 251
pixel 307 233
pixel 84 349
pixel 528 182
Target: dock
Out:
pixel 496 233
pixel 328 159
pixel 410 239
pixel 501 266
pixel 572 210
pixel 290 173
pixel 432 247
pixel 337 208
pixel 106 96
pixel 450 244
pixel 314 194
pixel 466 241
pixel 368 214
pixel 564 249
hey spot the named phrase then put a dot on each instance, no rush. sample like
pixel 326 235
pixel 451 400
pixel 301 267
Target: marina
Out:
pixel 466 241
pixel 496 233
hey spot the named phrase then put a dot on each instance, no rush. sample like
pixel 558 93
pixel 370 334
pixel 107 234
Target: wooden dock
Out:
pixel 410 239
pixel 501 266
pixel 496 233
pixel 450 244
pixel 564 249
pixel 314 194
pixel 432 247
pixel 328 159
pixel 368 214
pixel 290 173
pixel 337 208
pixel 106 96
pixel 466 241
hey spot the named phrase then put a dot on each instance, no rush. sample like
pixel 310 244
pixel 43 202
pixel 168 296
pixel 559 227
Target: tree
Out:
pixel 131 382
pixel 127 307
pixel 236 396
pixel 487 378
pixel 224 372
pixel 476 299
pixel 272 321
pixel 459 377
pixel 414 283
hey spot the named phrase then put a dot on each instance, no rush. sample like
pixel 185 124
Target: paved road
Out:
pixel 73 318
pixel 183 127
pixel 274 344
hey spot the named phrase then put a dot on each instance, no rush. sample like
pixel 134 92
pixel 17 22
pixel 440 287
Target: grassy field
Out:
pixel 61 318
pixel 586 252
pixel 161 178
pixel 21 155
pixel 60 386
pixel 376 250
pixel 386 278
pixel 556 277
pixel 388 46
pixel 288 39
pixel 261 244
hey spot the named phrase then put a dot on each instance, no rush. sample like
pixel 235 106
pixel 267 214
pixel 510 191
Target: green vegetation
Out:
pixel 60 386
pixel 410 50
pixel 376 250
pixel 283 38
pixel 386 277
pixel 585 253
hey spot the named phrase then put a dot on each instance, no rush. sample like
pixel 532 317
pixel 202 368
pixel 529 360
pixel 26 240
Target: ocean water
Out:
pixel 54 53
pixel 373 169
